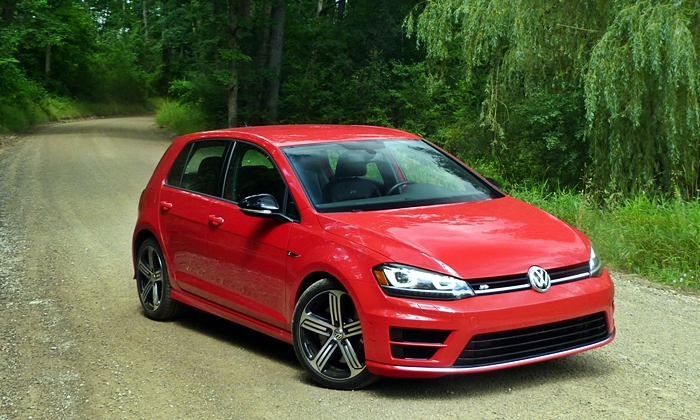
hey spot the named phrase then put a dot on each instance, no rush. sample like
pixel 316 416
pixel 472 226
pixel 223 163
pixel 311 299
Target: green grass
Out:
pixel 18 117
pixel 181 118
pixel 653 238
pixel 12 119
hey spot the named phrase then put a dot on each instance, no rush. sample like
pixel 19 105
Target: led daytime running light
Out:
pixel 399 280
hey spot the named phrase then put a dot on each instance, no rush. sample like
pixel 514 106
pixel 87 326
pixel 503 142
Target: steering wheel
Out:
pixel 398 185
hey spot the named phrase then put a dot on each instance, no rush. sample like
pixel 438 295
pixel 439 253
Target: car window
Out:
pixel 199 166
pixel 374 175
pixel 175 175
pixel 252 172
pixel 419 167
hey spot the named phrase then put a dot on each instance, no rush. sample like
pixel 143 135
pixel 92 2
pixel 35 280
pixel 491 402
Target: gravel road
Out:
pixel 75 345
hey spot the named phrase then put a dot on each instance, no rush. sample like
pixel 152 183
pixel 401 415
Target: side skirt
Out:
pixel 231 315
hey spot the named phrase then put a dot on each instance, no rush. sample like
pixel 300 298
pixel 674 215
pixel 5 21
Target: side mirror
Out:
pixel 262 205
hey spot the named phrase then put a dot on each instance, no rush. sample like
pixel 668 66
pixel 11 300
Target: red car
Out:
pixel 369 249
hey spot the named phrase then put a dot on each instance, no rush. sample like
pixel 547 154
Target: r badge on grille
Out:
pixel 539 279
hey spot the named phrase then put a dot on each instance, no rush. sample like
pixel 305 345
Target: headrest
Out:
pixel 210 164
pixel 351 164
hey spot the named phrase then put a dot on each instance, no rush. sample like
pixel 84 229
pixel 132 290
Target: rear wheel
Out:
pixel 327 337
pixel 153 284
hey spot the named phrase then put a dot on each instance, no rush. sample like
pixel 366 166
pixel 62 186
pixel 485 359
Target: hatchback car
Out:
pixel 371 250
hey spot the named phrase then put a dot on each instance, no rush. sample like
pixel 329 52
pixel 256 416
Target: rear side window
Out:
pixel 175 175
pixel 199 167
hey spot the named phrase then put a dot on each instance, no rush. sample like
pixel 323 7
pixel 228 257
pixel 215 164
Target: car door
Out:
pixel 250 252
pixel 194 180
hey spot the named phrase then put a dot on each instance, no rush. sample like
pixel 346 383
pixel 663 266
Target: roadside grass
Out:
pixel 20 116
pixel 181 118
pixel 654 238
pixel 17 118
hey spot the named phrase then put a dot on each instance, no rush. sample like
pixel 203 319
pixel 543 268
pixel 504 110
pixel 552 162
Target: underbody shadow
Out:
pixel 237 335
pixel 571 368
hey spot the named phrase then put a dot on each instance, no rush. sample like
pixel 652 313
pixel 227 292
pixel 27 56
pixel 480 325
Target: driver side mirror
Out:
pixel 262 205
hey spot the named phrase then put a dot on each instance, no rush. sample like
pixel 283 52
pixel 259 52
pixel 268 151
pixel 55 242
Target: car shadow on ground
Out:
pixel 240 336
pixel 560 371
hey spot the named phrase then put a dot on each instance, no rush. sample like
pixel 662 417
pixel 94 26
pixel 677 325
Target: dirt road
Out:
pixel 75 345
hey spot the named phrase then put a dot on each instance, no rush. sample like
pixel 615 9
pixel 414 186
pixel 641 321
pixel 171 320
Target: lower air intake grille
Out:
pixel 526 343
pixel 411 343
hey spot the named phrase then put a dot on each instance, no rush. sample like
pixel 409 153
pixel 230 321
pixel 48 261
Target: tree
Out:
pixel 275 60
pixel 642 100
pixel 630 65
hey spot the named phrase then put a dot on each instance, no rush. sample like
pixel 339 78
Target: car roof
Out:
pixel 293 135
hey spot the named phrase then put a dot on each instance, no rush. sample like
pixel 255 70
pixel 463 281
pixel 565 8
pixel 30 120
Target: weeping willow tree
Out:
pixel 642 100
pixel 631 66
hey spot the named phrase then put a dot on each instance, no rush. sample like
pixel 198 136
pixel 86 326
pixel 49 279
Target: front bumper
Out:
pixel 421 338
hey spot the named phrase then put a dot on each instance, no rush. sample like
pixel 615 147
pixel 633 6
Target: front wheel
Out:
pixel 327 337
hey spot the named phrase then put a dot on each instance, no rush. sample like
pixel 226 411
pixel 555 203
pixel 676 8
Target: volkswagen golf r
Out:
pixel 372 251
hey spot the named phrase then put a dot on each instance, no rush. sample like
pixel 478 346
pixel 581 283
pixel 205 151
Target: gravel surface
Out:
pixel 75 345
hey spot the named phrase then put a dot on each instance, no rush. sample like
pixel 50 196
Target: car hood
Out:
pixel 469 240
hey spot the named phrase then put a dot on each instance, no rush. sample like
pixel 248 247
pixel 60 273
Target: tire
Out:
pixel 153 283
pixel 327 337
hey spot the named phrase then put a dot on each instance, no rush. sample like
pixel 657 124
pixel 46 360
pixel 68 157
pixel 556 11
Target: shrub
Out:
pixel 181 118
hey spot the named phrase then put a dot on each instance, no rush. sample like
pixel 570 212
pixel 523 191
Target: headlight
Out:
pixel 404 281
pixel 595 264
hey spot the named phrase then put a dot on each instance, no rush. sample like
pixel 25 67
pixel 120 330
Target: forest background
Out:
pixel 588 109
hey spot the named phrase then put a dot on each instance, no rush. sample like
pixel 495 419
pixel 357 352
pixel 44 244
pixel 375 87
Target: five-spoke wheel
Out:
pixel 327 337
pixel 153 284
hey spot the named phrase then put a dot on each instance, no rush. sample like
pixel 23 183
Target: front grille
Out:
pixel 527 343
pixel 490 285
pixel 414 343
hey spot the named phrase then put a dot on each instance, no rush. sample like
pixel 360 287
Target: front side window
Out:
pixel 252 172
pixel 372 175
pixel 199 167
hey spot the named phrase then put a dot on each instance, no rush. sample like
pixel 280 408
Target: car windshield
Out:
pixel 378 175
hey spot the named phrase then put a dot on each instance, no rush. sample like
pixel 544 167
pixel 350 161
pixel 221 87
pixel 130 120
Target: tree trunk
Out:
pixel 145 22
pixel 166 52
pixel 259 63
pixel 47 62
pixel 275 64
pixel 233 64
pixel 7 12
pixel 341 9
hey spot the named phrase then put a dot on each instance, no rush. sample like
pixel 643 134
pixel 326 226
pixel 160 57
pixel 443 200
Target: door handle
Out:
pixel 216 220
pixel 166 205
